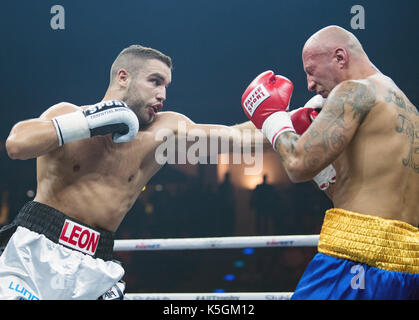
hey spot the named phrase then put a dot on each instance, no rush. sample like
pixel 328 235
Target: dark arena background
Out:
pixel 51 54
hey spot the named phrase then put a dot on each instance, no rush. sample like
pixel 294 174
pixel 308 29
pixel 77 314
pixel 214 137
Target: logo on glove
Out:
pixel 255 98
pixel 105 105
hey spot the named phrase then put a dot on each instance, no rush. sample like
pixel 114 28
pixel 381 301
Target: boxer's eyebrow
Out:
pixel 309 69
pixel 160 77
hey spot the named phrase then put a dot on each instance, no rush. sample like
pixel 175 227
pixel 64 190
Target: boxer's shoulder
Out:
pixel 356 97
pixel 59 109
pixel 170 116
pixel 354 89
pixel 169 120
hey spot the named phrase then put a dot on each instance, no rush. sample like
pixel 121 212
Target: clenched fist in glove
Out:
pixel 112 116
pixel 266 101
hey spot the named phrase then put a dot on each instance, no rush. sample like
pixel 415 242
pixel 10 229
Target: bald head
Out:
pixel 331 56
pixel 328 39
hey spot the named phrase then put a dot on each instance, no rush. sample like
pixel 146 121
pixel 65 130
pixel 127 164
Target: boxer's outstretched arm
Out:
pixel 249 126
pixel 35 137
pixel 345 109
pixel 244 134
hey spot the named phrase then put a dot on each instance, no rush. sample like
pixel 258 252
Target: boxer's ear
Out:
pixel 123 78
pixel 341 57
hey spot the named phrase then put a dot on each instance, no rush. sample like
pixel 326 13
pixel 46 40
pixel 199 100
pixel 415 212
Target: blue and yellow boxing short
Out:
pixel 362 257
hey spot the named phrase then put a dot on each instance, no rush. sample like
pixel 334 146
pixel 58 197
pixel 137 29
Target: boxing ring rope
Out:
pixel 210 296
pixel 214 243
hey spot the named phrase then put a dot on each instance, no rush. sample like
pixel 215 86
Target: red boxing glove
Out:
pixel 302 119
pixel 265 102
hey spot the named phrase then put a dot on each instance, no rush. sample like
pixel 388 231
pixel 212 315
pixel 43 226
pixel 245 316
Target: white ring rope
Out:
pixel 216 243
pixel 210 296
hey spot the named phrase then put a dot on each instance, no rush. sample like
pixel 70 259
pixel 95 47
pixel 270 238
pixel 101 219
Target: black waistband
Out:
pixel 48 221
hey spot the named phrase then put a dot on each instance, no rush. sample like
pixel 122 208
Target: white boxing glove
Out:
pixel 325 177
pixel 106 117
pixel 317 102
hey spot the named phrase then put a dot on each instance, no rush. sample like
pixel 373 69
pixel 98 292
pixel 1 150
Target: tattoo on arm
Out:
pixel 344 111
pixel 287 143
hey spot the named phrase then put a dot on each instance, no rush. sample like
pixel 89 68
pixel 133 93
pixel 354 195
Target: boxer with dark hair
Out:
pixel 92 163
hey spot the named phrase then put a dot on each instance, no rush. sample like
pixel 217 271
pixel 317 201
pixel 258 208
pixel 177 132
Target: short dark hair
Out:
pixel 129 57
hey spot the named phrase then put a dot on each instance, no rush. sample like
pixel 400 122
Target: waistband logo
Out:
pixel 79 237
pixel 19 288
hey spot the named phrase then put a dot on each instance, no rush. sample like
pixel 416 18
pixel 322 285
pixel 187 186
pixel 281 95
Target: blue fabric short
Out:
pixel 330 278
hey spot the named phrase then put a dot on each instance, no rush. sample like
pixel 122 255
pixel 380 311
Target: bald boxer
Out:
pixel 92 163
pixel 368 130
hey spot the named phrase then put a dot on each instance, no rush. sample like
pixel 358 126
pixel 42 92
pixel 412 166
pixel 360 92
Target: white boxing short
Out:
pixel 49 256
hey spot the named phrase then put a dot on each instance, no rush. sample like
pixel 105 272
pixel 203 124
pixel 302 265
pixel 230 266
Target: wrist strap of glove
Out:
pixel 276 124
pixel 71 127
pixel 325 177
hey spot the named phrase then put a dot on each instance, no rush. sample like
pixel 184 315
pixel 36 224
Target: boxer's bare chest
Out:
pixel 100 158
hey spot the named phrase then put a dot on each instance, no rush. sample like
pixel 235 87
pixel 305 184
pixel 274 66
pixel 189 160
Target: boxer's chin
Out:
pixel 146 116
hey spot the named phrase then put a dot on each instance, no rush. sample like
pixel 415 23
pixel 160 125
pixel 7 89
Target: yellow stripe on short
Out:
pixel 383 243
